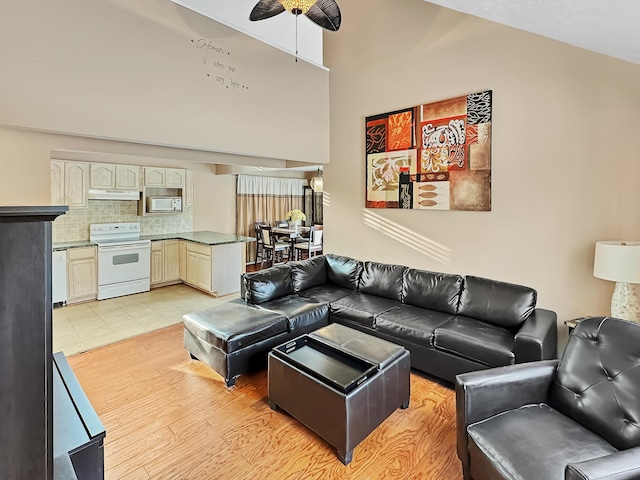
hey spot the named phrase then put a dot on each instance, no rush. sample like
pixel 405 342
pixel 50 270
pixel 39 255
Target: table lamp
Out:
pixel 619 262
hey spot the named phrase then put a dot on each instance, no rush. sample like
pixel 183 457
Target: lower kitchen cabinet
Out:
pixel 82 278
pixel 199 266
pixel 171 261
pixel 215 269
pixel 165 264
pixel 182 260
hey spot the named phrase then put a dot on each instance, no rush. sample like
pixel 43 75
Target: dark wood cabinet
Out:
pixel 26 381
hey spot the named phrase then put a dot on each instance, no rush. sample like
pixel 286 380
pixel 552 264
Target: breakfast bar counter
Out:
pixel 205 237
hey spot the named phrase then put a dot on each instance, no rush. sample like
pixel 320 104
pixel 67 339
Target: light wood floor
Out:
pixel 81 327
pixel 170 417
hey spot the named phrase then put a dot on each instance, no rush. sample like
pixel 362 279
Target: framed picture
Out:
pixel 435 156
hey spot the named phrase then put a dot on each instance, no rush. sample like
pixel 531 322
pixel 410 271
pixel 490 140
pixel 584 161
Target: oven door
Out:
pixel 123 263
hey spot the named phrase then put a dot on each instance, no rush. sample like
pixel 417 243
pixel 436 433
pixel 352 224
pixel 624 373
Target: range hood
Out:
pixel 95 194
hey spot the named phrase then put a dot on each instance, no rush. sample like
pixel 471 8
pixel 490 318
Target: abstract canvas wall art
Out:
pixel 435 156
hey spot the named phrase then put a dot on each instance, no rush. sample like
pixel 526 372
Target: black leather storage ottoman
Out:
pixel 233 338
pixel 340 383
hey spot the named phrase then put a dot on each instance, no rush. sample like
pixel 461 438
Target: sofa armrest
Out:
pixel 537 338
pixel 485 393
pixel 624 465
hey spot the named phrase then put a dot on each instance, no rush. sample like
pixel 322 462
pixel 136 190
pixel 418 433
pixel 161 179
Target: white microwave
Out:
pixel 164 204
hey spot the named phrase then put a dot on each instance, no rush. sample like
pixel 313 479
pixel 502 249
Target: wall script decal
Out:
pixel 434 156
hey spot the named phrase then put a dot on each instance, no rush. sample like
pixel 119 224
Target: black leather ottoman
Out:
pixel 331 388
pixel 233 338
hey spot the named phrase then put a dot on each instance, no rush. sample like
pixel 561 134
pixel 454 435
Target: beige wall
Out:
pixel 565 158
pixel 154 72
pixel 25 158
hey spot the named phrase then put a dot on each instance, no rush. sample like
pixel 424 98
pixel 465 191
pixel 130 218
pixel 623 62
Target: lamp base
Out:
pixel 624 302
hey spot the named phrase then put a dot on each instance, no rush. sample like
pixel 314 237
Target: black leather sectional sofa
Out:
pixel 451 324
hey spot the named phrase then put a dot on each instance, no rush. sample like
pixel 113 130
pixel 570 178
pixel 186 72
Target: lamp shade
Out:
pixel 617 261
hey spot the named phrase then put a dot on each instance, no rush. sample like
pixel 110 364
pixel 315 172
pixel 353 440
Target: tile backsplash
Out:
pixel 74 225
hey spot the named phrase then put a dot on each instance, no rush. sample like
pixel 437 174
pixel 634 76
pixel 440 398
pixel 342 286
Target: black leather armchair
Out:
pixel 577 418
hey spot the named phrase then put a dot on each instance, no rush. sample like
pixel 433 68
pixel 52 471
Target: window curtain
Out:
pixel 264 199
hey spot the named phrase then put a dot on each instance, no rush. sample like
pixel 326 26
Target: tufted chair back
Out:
pixel 597 383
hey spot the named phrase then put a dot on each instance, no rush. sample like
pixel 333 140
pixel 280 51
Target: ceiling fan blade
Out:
pixel 265 9
pixel 325 13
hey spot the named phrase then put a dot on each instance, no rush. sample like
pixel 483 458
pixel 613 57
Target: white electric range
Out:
pixel 124 260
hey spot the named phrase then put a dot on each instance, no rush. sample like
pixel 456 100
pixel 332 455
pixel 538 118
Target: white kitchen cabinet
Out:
pixel 127 177
pixel 76 183
pixel 102 176
pixel 188 188
pixel 174 177
pixel 164 177
pixel 110 176
pixel 154 177
pixel 199 266
pixel 215 269
pixel 82 278
pixel 57 183
pixel 69 183
pixel 165 266
pixel 171 261
pixel 157 264
pixel 182 260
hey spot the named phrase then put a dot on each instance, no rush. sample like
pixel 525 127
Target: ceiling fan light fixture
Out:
pixel 297 7
pixel 324 13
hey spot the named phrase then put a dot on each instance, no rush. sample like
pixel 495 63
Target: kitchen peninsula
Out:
pixel 207 260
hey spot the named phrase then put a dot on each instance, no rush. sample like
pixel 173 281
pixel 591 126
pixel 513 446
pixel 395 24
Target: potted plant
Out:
pixel 295 217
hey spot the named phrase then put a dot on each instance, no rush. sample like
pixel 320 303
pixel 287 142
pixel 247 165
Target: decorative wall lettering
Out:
pixel 217 60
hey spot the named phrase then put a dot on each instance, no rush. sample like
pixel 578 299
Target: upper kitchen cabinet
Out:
pixel 164 177
pixel 57 183
pixel 118 177
pixel 69 183
pixel 188 188
pixel 165 182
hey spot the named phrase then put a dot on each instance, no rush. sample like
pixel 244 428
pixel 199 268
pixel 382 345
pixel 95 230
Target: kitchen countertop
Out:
pixel 206 237
pixel 68 245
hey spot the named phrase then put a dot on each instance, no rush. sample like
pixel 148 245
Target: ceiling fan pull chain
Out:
pixel 297 38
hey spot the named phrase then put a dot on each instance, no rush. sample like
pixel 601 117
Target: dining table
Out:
pixel 292 233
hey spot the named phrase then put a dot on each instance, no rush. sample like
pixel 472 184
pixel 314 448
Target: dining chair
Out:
pixel 259 244
pixel 274 249
pixel 312 246
pixel 281 224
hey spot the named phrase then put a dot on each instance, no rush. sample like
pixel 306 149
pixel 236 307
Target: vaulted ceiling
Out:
pixel 609 27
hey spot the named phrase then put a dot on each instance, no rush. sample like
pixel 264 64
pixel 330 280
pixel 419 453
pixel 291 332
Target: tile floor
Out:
pixel 81 327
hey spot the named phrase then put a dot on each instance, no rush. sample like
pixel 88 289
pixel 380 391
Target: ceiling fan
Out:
pixel 325 13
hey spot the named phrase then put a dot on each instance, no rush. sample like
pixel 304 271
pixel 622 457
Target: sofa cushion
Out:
pixel 234 325
pixel 267 284
pixel 308 273
pixel 432 290
pixel 343 271
pixel 382 279
pixel 361 308
pixel 325 293
pixel 300 312
pixel 411 324
pixel 534 442
pixel 479 341
pixel 500 303
pixel 598 379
